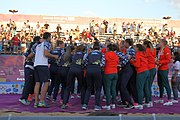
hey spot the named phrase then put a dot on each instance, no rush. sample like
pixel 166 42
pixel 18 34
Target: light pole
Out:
pixel 166 18
pixel 13 11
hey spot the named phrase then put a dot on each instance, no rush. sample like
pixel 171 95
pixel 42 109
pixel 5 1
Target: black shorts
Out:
pixel 41 74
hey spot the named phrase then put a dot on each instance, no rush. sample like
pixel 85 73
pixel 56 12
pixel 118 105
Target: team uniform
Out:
pixel 151 56
pixel 141 65
pixel 63 69
pixel 29 77
pixel 132 82
pixel 124 76
pixel 53 73
pixel 111 77
pixel 94 62
pixel 164 57
pixel 75 71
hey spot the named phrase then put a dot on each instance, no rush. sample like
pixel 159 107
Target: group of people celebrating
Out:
pixel 124 70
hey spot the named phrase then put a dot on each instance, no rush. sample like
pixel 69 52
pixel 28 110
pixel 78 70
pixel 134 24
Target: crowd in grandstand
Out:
pixel 124 69
pixel 15 40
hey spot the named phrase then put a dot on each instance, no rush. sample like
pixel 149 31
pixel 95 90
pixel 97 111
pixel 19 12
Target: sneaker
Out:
pixel 48 97
pixel 63 106
pixel 168 103
pixel 93 96
pixel 53 101
pixel 97 108
pixel 113 106
pixel 121 104
pixel 140 107
pixel 148 105
pixel 175 101
pixel 78 96
pixel 151 104
pixel 129 106
pixel 61 102
pixel 24 101
pixel 84 107
pixel 72 97
pixel 107 107
pixel 159 101
pixel 35 105
pixel 42 105
pixel 104 98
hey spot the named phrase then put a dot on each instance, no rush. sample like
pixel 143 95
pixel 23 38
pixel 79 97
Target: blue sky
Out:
pixel 100 8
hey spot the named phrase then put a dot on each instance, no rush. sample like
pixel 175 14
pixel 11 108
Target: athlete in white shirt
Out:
pixel 175 81
pixel 42 74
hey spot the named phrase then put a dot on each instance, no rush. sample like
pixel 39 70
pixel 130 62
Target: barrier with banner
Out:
pixel 11 74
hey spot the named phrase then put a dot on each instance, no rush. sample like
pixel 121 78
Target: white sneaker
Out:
pixel 93 96
pixel 151 104
pixel 148 105
pixel 159 101
pixel 140 107
pixel 104 99
pixel 168 103
pixel 72 97
pixel 175 101
pixel 106 107
pixel 113 106
pixel 97 108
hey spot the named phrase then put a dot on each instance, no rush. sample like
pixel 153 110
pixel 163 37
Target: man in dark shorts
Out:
pixel 41 70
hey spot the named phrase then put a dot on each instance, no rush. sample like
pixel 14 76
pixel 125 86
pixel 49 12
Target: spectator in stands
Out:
pixel 24 26
pixel 14 25
pixel 27 24
pixel 13 31
pixel 1 29
pixel 92 25
pixel 83 34
pixel 46 26
pixel 1 43
pixel 123 27
pixel 66 35
pixel 42 30
pixel 102 29
pixel 38 28
pixel 88 35
pixel 15 41
pixel 7 29
pixel 58 28
pixel 10 24
pixel 114 30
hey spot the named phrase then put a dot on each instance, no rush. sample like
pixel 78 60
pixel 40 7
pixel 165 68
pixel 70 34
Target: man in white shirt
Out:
pixel 42 74
pixel 175 81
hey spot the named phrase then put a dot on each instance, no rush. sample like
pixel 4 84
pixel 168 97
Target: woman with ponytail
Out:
pixel 164 58
pixel 151 56
pixel 141 65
